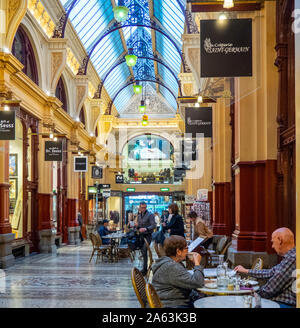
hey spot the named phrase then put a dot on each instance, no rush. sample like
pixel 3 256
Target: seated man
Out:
pixel 103 231
pixel 173 283
pixel 280 280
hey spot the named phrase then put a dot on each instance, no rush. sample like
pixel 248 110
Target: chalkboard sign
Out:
pixel 80 164
pixel 53 151
pixel 7 125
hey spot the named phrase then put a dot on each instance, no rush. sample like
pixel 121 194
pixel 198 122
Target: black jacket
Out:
pixel 176 225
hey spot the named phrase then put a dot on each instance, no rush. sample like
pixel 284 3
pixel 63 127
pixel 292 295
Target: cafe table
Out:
pixel 212 272
pixel 230 302
pixel 114 237
pixel 225 291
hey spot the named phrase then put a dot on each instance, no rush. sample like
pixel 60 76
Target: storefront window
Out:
pixel 148 159
pixel 16 181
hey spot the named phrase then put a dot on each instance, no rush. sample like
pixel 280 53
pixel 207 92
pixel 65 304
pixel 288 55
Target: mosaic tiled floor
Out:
pixel 68 280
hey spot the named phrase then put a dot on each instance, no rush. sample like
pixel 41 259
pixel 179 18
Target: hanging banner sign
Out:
pixel 106 193
pixel 53 151
pixel 202 195
pixel 198 120
pixel 119 178
pixel 8 125
pixel 80 164
pixel 96 172
pixel 226 48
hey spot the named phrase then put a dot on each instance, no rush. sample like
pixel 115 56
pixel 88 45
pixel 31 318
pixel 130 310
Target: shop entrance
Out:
pixel 156 202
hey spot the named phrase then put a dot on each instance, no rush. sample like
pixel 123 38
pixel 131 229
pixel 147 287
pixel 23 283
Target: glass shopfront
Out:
pixel 16 181
pixel 155 203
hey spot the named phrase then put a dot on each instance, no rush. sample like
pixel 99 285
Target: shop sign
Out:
pixel 8 125
pixel 116 193
pixel 164 189
pixel 53 151
pixel 130 189
pixel 119 178
pixel 198 121
pixel 226 48
pixel 92 190
pixel 104 186
pixel 190 199
pixel 106 193
pixel 96 172
pixel 80 164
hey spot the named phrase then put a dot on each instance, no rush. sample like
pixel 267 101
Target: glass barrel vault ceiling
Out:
pixel 90 18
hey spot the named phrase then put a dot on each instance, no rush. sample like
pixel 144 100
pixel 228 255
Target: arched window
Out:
pixel 81 116
pixel 23 51
pixel 60 93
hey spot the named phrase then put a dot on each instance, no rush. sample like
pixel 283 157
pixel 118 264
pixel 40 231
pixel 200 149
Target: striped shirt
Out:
pixel 280 280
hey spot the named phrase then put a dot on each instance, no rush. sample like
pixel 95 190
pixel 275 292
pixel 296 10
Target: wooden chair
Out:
pixel 159 249
pixel 139 286
pixel 125 249
pixel 257 264
pixel 150 259
pixel 221 249
pixel 152 297
pixel 98 247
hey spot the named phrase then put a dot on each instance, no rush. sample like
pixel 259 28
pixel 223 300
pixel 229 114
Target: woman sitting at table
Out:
pixel 175 224
pixel 103 231
pixel 172 281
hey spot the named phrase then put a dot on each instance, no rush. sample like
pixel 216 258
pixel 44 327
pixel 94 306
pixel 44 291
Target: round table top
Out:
pixel 114 236
pixel 225 291
pixel 230 302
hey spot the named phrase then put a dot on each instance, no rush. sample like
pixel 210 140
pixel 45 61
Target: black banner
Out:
pixel 119 178
pixel 80 164
pixel 7 125
pixel 53 151
pixel 96 172
pixel 198 120
pixel 226 48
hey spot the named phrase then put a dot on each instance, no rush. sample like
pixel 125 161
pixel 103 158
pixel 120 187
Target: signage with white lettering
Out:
pixel 106 193
pixel 96 172
pixel 226 48
pixel 119 178
pixel 198 120
pixel 80 164
pixel 7 125
pixel 53 151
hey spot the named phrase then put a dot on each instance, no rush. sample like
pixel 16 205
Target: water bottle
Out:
pixel 257 300
pixel 221 272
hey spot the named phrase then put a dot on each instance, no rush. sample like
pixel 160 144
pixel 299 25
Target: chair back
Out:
pixel 150 258
pixel 98 240
pixel 221 244
pixel 152 297
pixel 225 249
pixel 257 264
pixel 93 239
pixel 139 286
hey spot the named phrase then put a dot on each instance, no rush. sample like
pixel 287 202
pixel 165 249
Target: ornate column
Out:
pixel 57 61
pixel 255 148
pixel 221 168
pixel 46 227
pixel 73 189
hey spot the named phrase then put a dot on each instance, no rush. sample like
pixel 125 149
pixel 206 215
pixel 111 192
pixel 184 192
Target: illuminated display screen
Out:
pixel 149 147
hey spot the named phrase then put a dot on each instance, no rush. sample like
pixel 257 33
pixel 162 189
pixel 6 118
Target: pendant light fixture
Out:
pixel 145 120
pixel 142 107
pixel 121 11
pixel 137 89
pixel 228 4
pixel 130 58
